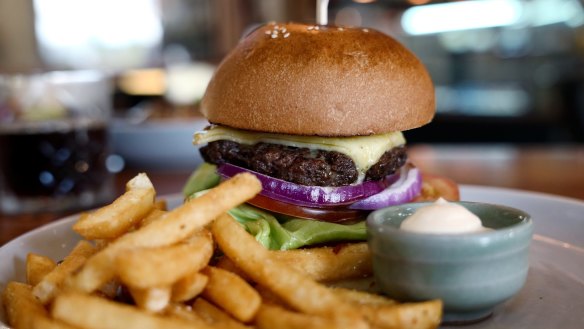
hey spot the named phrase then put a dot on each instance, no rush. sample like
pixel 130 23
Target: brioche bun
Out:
pixel 327 81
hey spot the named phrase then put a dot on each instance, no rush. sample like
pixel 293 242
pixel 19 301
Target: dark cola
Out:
pixel 61 160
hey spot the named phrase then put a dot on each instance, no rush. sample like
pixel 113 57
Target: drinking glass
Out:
pixel 53 141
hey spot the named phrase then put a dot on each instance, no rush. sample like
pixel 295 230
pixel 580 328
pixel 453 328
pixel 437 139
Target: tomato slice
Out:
pixel 334 214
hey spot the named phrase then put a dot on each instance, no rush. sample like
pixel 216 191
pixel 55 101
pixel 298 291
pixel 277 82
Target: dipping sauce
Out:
pixel 443 217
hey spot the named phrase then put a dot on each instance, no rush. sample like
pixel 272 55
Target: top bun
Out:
pixel 319 80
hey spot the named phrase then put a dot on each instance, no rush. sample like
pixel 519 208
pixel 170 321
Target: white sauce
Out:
pixel 443 217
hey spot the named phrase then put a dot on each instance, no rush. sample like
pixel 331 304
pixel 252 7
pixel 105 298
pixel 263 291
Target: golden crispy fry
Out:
pixel 37 267
pixel 140 268
pixel 21 306
pixel 48 287
pixel 152 216
pixel 378 311
pixel 45 322
pixel 101 243
pixel 115 219
pixel 227 264
pixel 273 316
pixel 258 264
pixel 24 311
pixel 179 224
pixel 189 287
pixel 352 260
pixel 421 315
pixel 86 311
pixel 239 299
pixel 362 297
pixel 384 313
pixel 151 299
pixel 269 297
pixel 215 316
pixel 163 261
pixel 296 289
pixel 323 264
pixel 98 270
pixel 195 214
pixel 184 312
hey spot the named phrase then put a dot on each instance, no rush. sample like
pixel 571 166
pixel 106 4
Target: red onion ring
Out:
pixel 311 196
pixel 407 187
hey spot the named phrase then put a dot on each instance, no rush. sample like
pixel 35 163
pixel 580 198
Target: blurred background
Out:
pixel 506 71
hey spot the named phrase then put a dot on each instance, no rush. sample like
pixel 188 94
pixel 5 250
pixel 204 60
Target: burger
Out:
pixel 317 114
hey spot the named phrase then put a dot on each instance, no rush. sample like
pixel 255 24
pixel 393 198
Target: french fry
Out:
pixel 140 267
pixel 91 312
pixel 101 243
pixel 227 264
pixel 269 297
pixel 48 287
pixel 189 287
pixel 98 270
pixel 323 264
pixel 215 316
pixel 45 322
pixel 362 297
pixel 382 312
pixel 422 315
pixel 152 216
pixel 184 312
pixel 151 299
pixel 348 261
pixel 179 224
pixel 22 308
pixel 37 267
pixel 379 311
pixel 273 316
pixel 162 261
pixel 296 289
pixel 231 293
pixel 115 219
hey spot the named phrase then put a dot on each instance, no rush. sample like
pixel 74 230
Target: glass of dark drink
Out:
pixel 53 141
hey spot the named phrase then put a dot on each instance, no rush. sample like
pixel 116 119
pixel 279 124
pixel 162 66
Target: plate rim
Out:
pixel 537 194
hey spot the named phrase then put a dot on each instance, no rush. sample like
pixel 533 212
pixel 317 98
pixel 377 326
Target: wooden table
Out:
pixel 551 169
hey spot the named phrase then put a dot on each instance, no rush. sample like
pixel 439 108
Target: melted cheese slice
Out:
pixel 364 150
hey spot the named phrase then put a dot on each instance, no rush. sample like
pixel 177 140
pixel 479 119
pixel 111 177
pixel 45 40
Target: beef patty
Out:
pixel 300 165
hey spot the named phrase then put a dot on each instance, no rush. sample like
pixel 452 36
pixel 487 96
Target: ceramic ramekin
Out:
pixel 470 272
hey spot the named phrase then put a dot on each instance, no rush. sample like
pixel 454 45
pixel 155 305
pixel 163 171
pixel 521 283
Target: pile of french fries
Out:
pixel 142 266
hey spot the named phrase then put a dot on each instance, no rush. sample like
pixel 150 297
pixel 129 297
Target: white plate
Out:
pixel 553 296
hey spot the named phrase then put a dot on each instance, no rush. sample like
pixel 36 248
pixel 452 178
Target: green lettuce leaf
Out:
pixel 278 233
pixel 275 231
pixel 203 178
